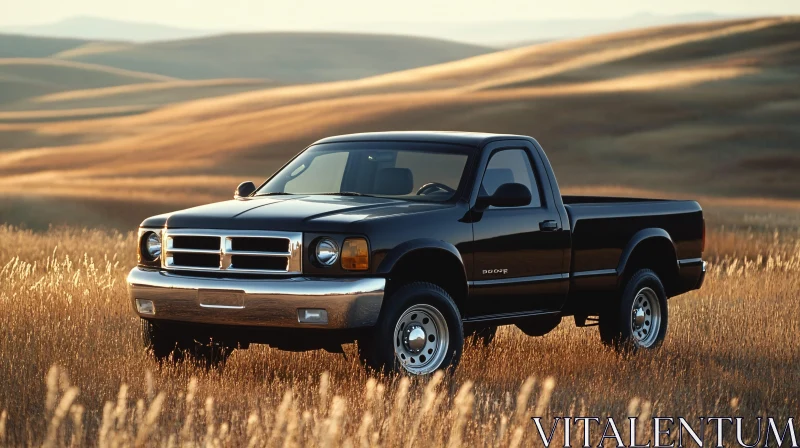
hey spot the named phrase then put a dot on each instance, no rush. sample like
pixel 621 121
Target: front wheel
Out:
pixel 160 342
pixel 639 321
pixel 167 345
pixel 419 332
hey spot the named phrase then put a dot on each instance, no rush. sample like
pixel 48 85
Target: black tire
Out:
pixel 160 342
pixel 377 347
pixel 482 337
pixel 540 325
pixel 167 345
pixel 208 355
pixel 618 323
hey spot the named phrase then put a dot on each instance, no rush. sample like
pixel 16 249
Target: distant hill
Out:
pixel 96 28
pixel 16 46
pixel 504 33
pixel 513 33
pixel 283 57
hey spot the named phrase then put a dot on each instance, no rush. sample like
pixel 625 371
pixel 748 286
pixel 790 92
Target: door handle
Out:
pixel 548 226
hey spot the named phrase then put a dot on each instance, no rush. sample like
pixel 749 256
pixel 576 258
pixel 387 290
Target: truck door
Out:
pixel 518 251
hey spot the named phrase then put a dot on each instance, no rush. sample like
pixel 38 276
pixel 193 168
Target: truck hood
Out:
pixel 291 213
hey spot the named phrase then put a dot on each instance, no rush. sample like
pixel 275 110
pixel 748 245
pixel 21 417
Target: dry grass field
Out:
pixel 731 349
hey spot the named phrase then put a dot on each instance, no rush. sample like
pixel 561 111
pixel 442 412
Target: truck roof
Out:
pixel 476 139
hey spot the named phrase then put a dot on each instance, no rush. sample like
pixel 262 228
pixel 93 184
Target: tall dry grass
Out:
pixel 73 372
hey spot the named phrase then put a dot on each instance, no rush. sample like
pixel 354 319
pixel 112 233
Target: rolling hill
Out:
pixel 151 94
pixel 708 110
pixel 195 68
pixel 283 57
pixel 27 77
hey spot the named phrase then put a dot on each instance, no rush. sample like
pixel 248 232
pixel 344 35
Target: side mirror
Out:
pixel 244 189
pixel 509 195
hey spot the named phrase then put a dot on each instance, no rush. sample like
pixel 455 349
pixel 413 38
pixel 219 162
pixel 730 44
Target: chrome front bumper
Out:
pixel 349 303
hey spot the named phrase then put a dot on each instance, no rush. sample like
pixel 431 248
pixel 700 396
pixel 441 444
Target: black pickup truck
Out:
pixel 408 243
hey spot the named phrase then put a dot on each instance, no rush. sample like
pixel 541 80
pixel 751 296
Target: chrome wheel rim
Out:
pixel 645 318
pixel 421 339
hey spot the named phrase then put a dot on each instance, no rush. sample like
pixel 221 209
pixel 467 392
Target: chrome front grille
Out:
pixel 239 251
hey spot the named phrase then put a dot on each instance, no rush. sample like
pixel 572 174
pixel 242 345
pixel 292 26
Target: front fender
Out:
pixel 408 247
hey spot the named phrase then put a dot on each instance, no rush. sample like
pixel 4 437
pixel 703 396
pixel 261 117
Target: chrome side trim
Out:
pixel 597 272
pixel 509 316
pixel 349 302
pixel 690 261
pixel 511 281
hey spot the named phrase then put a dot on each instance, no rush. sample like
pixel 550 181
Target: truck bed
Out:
pixel 590 200
pixel 605 229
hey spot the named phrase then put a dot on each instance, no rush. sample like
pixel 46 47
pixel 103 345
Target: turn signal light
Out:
pixel 145 307
pixel 355 254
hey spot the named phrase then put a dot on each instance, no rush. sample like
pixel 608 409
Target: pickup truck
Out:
pixel 408 243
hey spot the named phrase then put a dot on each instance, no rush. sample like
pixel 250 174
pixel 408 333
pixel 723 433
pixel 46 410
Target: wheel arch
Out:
pixel 654 249
pixel 426 260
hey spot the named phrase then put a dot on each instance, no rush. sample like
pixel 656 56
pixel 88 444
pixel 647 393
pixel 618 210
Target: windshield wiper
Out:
pixel 341 193
pixel 344 193
pixel 274 193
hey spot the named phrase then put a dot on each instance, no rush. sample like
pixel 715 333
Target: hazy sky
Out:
pixel 305 14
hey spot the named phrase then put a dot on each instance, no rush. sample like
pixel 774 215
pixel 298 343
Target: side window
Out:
pixel 507 166
pixel 441 168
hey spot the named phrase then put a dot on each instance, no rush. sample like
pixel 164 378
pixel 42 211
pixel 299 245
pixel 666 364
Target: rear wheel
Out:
pixel 419 331
pixel 639 321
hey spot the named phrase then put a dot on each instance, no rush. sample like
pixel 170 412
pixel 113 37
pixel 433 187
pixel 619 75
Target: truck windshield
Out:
pixel 434 173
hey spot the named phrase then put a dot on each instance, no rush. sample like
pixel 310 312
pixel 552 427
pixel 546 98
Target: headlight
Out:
pixel 327 252
pixel 355 254
pixel 152 245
